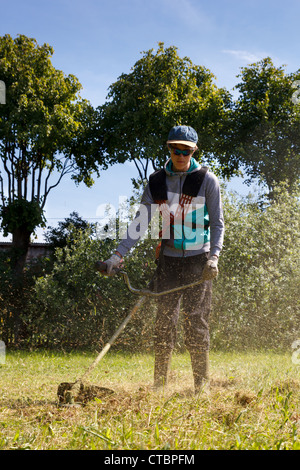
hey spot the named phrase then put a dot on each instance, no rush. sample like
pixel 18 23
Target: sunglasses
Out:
pixel 185 153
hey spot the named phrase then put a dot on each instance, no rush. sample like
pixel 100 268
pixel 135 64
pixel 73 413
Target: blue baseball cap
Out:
pixel 185 135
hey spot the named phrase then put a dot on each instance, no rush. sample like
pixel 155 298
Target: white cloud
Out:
pixel 245 56
pixel 186 12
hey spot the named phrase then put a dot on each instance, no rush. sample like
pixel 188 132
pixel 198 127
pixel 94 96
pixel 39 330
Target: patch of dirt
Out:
pixel 244 398
pixel 85 394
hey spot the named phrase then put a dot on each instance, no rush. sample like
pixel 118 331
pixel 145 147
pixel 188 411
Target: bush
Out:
pixel 80 308
pixel 17 320
pixel 256 296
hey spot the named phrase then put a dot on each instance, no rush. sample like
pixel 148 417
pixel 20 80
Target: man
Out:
pixel 189 199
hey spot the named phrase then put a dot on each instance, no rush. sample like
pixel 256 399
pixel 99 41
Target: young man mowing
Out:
pixel 189 199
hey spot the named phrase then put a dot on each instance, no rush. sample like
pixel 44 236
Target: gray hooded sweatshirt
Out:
pixel 197 225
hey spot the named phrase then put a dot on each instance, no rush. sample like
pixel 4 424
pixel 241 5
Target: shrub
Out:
pixel 256 296
pixel 80 308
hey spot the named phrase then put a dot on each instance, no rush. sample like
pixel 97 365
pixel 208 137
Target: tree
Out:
pixel 163 90
pixel 266 124
pixel 46 132
pixel 64 234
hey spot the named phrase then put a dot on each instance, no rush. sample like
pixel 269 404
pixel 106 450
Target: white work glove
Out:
pixel 113 263
pixel 210 270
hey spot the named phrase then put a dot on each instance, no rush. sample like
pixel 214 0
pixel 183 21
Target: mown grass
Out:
pixel 253 404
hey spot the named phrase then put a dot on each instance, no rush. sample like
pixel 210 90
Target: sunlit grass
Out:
pixel 253 404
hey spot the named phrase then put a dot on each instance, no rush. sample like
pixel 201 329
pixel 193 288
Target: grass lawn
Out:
pixel 253 403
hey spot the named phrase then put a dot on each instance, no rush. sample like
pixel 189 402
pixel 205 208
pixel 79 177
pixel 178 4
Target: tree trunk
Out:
pixel 20 246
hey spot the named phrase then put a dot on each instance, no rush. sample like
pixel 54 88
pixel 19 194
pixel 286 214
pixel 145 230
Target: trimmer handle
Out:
pixel 101 266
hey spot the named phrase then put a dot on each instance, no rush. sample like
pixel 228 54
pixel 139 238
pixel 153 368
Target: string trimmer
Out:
pixel 77 392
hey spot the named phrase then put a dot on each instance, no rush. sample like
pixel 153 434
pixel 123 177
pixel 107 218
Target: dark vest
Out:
pixel 158 189
pixel 191 185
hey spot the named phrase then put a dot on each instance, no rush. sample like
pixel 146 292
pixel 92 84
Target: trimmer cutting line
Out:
pixel 77 392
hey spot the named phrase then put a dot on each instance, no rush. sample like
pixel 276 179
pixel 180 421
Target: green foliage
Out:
pixel 77 306
pixel 41 114
pixel 67 230
pixel 256 296
pixel 266 124
pixel 18 322
pixel 255 301
pixel 163 90
pixel 46 132
pixel 21 214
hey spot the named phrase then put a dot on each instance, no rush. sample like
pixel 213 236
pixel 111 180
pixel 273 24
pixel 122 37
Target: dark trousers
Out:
pixel 196 301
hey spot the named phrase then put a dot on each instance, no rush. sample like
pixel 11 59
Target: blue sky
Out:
pixel 98 40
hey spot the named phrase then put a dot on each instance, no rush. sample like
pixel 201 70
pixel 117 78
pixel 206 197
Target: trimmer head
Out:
pixel 68 394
